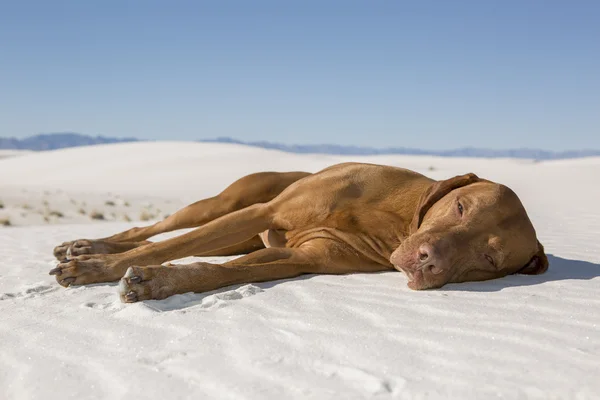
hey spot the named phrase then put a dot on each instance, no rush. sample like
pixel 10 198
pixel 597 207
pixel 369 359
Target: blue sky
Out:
pixel 425 74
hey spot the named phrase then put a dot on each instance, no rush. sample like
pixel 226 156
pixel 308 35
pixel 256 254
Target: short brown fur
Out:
pixel 347 218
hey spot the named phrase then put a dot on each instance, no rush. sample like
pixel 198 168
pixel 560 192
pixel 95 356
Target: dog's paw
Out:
pixel 81 247
pixel 86 269
pixel 145 283
pixel 75 248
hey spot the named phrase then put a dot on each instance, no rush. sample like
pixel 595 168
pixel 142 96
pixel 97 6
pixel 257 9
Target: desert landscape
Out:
pixel 351 337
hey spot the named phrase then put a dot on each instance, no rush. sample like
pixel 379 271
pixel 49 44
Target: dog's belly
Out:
pixel 273 238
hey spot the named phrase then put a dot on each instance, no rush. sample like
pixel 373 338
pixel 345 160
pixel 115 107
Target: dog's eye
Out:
pixel 460 208
pixel 491 260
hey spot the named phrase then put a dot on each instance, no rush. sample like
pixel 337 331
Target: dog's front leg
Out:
pixel 159 282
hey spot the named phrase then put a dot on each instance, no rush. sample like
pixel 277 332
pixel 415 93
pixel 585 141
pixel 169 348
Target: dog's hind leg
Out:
pixel 225 232
pixel 252 189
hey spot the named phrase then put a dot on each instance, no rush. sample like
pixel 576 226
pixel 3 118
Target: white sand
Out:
pixel 316 337
pixel 12 153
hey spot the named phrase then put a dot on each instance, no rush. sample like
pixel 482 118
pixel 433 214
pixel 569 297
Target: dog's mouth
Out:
pixel 417 279
pixel 409 274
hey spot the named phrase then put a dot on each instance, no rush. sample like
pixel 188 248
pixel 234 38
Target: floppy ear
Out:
pixel 538 263
pixel 435 192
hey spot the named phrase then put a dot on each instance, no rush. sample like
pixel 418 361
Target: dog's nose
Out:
pixel 429 259
pixel 426 252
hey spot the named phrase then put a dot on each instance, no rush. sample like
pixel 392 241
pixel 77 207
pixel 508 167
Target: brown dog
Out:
pixel 347 218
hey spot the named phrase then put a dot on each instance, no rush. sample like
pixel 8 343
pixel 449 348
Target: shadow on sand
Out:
pixel 560 269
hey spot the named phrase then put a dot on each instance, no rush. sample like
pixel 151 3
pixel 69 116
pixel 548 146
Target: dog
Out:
pixel 347 218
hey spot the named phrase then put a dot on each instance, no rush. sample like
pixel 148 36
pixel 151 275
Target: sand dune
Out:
pixel 315 337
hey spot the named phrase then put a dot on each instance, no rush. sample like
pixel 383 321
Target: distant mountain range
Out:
pixel 535 154
pixel 52 141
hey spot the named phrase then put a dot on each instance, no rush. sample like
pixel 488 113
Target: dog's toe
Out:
pixel 142 283
pixel 79 248
pixel 131 288
pixel 60 251
pixel 66 282
pixel 131 297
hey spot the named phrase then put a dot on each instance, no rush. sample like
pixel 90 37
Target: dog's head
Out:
pixel 468 229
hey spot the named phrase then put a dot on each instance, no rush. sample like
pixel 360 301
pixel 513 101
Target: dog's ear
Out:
pixel 538 263
pixel 435 192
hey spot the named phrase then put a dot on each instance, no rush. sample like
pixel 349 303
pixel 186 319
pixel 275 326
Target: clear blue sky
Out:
pixel 426 74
